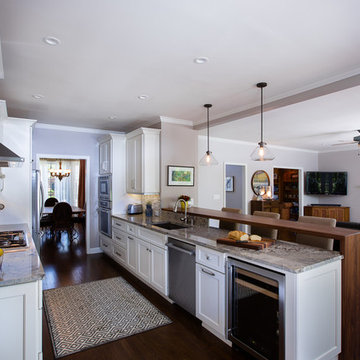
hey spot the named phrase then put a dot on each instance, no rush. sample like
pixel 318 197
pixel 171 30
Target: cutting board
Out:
pixel 255 245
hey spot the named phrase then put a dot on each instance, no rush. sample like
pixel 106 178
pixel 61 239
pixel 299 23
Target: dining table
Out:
pixel 48 210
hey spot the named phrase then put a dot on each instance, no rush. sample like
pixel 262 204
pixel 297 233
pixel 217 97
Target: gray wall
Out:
pixel 178 147
pixel 60 142
pixel 343 161
pixel 236 199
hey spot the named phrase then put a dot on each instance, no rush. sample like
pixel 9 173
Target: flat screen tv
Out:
pixel 326 183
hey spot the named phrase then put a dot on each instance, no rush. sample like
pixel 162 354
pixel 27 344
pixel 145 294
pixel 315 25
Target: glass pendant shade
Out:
pixel 262 152
pixel 208 159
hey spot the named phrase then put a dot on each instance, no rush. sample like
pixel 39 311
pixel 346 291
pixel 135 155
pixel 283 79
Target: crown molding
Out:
pixel 75 129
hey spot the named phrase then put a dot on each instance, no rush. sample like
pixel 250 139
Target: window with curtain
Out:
pixel 65 190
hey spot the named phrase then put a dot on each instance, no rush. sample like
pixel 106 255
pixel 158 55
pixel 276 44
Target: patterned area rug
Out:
pixel 94 313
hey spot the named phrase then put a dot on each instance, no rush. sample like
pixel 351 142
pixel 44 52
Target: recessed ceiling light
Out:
pixel 201 60
pixel 51 40
pixel 38 96
pixel 112 117
pixel 143 97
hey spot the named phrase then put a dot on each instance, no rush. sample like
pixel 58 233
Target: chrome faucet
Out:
pixel 176 206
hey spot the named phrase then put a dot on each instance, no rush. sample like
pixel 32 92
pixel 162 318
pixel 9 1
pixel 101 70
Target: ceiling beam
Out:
pixel 335 86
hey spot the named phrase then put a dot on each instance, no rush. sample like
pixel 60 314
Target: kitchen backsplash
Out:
pixel 144 199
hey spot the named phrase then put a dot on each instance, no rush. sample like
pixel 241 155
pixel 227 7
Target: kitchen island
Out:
pixel 350 281
pixel 309 307
pixel 21 300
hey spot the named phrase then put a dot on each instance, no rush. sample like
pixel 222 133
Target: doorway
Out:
pixel 235 193
pixel 74 191
pixel 287 191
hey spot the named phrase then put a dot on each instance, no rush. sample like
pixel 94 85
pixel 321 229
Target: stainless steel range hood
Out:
pixel 8 158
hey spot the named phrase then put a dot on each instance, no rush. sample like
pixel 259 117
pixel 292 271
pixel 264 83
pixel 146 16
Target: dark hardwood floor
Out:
pixel 185 338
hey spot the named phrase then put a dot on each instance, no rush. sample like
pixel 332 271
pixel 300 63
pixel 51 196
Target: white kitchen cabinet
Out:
pixel 106 245
pixel 105 160
pixel 131 253
pixel 143 259
pixel 143 161
pixel 210 298
pixel 144 250
pixel 158 274
pixel 21 321
pixel 112 159
pixel 119 254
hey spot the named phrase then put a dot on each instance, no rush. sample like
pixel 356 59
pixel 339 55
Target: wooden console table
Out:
pixel 340 213
pixel 350 272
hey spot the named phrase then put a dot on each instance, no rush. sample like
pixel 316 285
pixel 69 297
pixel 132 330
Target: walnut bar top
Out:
pixel 325 231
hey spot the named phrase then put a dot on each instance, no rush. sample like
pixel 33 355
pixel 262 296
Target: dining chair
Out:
pixel 62 220
pixel 262 231
pixel 316 241
pixel 229 225
pixel 51 201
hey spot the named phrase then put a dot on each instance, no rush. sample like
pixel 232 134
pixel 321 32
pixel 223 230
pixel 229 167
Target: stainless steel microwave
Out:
pixel 105 187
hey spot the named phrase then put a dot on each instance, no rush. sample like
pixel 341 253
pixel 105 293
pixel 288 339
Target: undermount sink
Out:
pixel 169 226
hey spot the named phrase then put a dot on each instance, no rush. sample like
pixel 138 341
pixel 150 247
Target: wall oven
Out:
pixel 105 187
pixel 256 318
pixel 105 217
pixel 105 205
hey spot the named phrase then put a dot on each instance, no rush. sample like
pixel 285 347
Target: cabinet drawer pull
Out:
pixel 117 253
pixel 130 238
pixel 207 272
pixel 105 245
pixel 207 257
pixel 118 224
pixel 119 238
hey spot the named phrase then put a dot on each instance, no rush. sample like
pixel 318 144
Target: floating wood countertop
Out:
pixel 305 228
pixel 350 269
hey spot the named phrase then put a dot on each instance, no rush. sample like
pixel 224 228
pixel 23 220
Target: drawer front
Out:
pixel 119 253
pixel 120 238
pixel 106 245
pixel 131 229
pixel 153 237
pixel 119 224
pixel 210 258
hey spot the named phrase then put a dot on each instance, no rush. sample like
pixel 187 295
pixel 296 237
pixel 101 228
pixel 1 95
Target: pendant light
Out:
pixel 208 159
pixel 262 152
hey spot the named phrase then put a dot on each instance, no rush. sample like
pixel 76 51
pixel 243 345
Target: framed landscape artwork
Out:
pixel 180 175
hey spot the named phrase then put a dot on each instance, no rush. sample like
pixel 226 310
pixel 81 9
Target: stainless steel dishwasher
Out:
pixel 182 274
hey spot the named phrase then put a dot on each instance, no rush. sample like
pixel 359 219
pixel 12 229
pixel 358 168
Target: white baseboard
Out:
pixel 96 250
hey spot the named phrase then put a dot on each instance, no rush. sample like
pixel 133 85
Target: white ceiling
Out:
pixel 111 51
pixel 316 124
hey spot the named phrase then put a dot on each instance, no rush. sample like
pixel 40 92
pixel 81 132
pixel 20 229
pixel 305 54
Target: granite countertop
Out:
pixel 283 255
pixel 20 266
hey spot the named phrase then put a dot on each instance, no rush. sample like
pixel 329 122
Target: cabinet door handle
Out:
pixel 117 253
pixel 207 272
pixel 130 238
pixel 207 257
pixel 105 245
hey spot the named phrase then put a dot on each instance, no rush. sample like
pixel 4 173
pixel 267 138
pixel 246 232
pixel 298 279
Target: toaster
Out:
pixel 134 209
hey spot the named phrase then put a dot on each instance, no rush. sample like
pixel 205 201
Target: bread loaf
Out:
pixel 236 235
pixel 255 238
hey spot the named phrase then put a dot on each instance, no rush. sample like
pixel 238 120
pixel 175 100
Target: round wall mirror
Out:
pixel 259 181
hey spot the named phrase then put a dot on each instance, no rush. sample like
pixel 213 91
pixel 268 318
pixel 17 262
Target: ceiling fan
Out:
pixel 356 140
